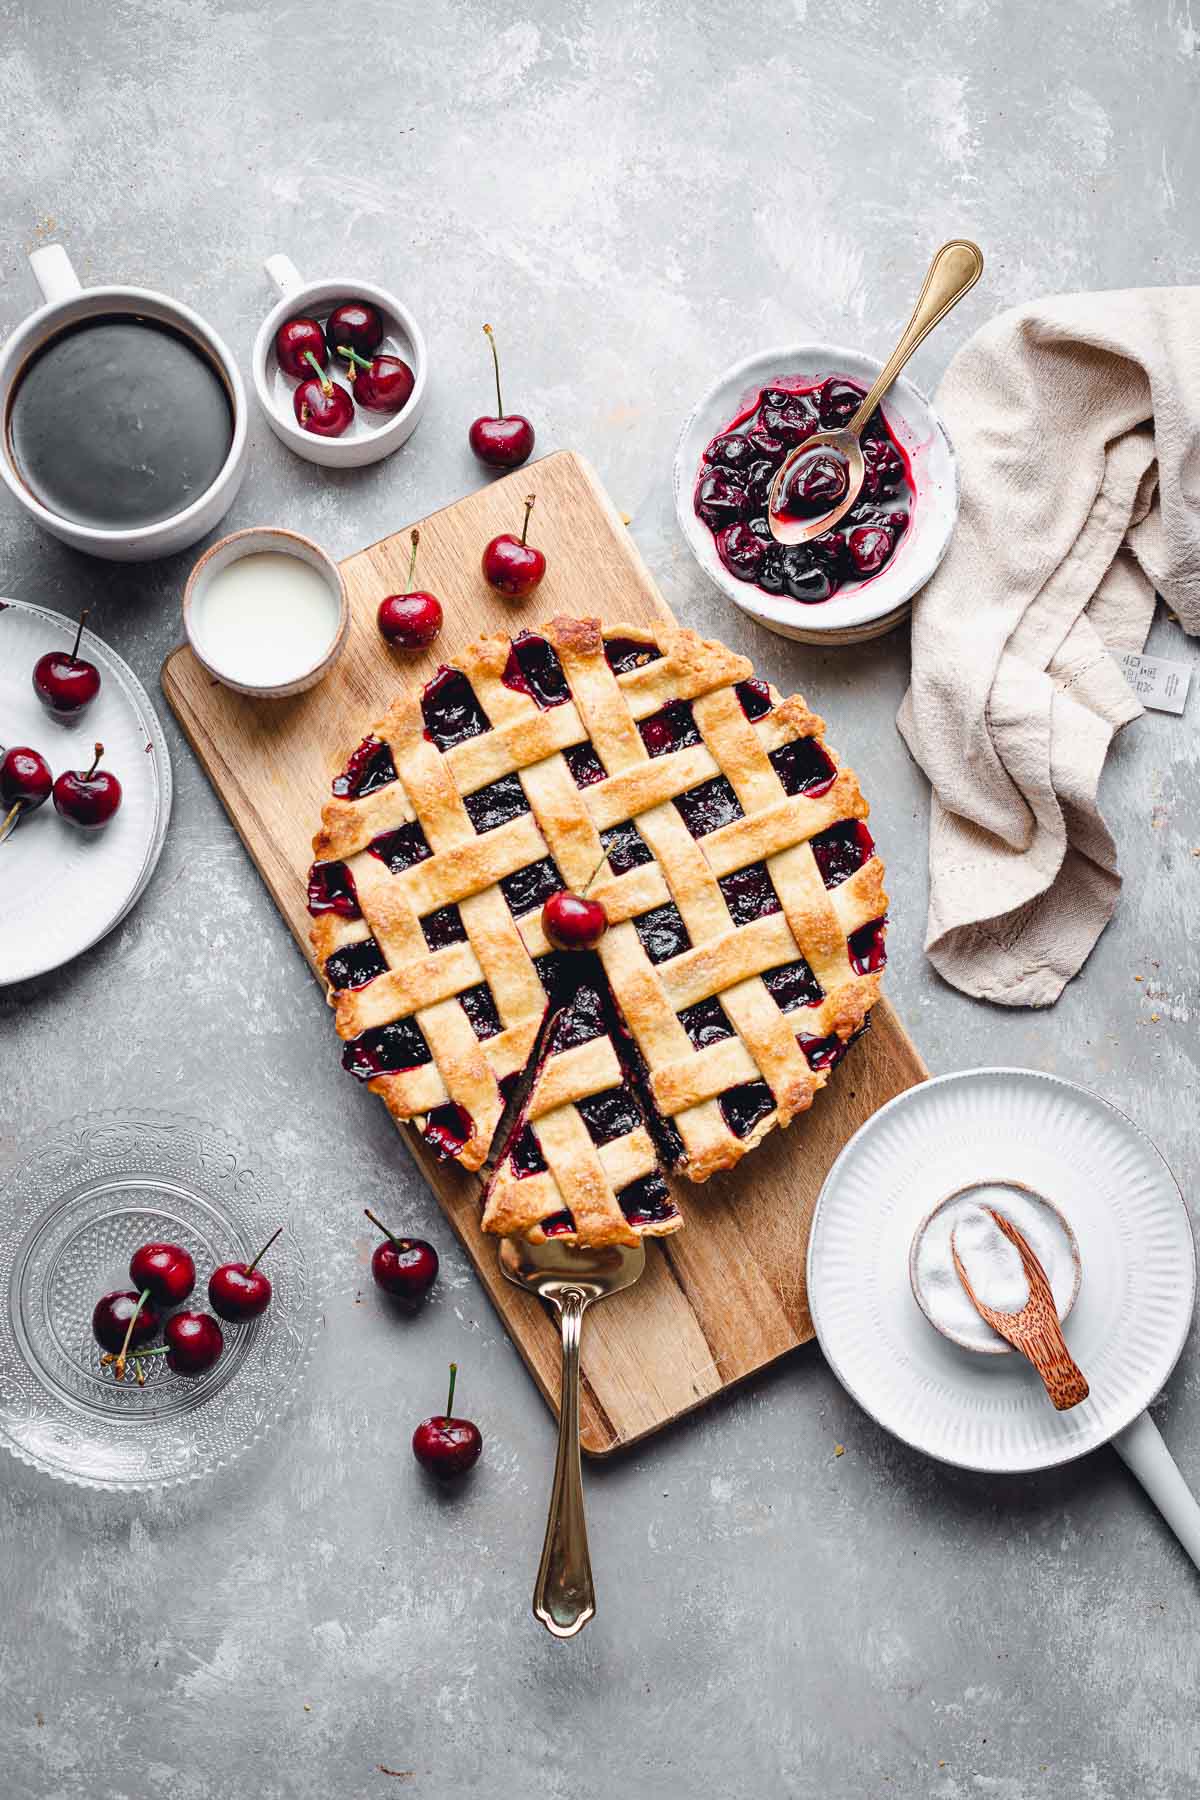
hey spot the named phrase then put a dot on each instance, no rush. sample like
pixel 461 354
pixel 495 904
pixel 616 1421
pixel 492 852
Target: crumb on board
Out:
pixel 839 1449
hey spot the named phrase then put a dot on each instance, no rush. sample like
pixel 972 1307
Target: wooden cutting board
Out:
pixel 726 1295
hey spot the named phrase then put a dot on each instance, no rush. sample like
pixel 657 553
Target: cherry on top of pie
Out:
pixel 707 815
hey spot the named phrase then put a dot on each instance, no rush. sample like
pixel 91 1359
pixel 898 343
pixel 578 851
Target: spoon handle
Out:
pixel 563 1596
pixel 955 269
pixel 1142 1450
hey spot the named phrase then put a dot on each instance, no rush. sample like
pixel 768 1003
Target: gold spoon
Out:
pixel 954 270
pixel 570 1277
pixel 1034 1330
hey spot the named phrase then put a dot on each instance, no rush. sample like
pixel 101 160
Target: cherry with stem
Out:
pixel 405 1268
pixel 120 1360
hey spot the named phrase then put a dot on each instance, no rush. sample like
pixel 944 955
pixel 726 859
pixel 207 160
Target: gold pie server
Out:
pixel 571 1277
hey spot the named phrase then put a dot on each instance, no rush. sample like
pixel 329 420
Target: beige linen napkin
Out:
pixel 1077 426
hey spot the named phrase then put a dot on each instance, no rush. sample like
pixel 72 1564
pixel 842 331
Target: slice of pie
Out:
pixel 708 815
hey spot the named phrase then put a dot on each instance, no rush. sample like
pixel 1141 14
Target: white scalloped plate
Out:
pixel 1135 1301
pixel 77 886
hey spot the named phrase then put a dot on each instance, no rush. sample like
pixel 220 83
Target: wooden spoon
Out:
pixel 1034 1330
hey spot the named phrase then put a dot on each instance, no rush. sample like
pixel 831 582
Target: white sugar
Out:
pixel 992 1263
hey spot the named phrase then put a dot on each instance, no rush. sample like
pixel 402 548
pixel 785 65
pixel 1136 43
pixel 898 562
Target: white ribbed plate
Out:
pixel 1135 1240
pixel 76 886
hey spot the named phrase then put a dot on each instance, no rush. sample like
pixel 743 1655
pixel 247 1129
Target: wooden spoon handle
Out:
pixel 1046 1348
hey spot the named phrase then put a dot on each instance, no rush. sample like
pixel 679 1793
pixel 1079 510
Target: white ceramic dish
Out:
pixel 1135 1301
pixel 371 435
pixel 78 886
pixel 871 607
pixel 66 303
pixel 256 540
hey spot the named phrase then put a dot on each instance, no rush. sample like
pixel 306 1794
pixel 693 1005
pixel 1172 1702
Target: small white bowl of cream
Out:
pixel 992 1261
pixel 266 612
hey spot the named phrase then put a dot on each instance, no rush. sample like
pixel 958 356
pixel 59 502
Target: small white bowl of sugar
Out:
pixel 992 1261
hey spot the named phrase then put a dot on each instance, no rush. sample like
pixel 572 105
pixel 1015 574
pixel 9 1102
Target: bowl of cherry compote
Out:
pixel 849 583
pixel 340 368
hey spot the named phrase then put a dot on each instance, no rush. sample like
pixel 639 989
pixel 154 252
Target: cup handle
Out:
pixel 54 274
pixel 284 274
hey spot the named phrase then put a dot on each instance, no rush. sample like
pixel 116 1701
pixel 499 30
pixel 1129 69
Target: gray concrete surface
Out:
pixel 634 195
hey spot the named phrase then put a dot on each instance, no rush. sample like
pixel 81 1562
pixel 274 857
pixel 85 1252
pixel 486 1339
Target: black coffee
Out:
pixel 119 422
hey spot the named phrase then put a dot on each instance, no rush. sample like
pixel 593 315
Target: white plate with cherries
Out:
pixel 85 789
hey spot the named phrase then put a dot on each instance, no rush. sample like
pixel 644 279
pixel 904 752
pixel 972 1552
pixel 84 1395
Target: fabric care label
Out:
pixel 1157 683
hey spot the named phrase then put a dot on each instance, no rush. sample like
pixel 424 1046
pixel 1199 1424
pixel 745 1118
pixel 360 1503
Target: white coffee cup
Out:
pixel 67 302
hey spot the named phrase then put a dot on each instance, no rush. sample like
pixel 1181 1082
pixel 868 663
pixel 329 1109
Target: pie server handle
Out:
pixel 563 1596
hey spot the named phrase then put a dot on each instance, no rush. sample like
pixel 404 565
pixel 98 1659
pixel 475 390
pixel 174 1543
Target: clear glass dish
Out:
pixel 71 1215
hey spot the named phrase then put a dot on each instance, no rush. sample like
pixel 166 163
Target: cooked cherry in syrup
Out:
pixel 749 893
pixel 706 1023
pixel 527 1159
pixel 331 890
pixel 480 1007
pixel 354 965
pixel 743 1107
pixel 492 806
pixel 386 1049
pixel 451 712
pixel 663 933
pixel 868 952
pixel 647 1201
pixel 707 807
pixel 740 465
pixel 447 1129
pixel 803 767
pixel 585 766
pixel 672 729
pixel 370 767
pixel 531 886
pixel 625 848
pixel 444 927
pixel 841 850
pixel 533 668
pixel 792 985
pixel 610 1115
pixel 401 849
pixel 627 654
pixel 755 698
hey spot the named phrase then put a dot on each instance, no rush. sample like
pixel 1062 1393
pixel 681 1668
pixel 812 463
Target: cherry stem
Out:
pixel 356 361
pixel 263 1251
pixel 491 338
pixel 79 634
pixel 322 377
pixel 119 1365
pixel 96 762
pixel 387 1234
pixel 529 500
pixel 412 561
pixel 592 877
pixel 10 823
pixel 450 1395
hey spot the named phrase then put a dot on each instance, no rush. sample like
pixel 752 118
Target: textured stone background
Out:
pixel 635 195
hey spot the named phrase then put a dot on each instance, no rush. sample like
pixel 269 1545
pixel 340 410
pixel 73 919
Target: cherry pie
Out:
pixel 743 892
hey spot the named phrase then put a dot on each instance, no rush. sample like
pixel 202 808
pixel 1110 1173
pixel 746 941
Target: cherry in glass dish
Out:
pixel 372 433
pixel 857 581
pixel 81 1200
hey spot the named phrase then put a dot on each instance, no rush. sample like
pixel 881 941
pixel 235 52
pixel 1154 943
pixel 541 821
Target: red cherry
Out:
pixel 300 346
pixel 166 1270
pixel 25 784
pixel 512 566
pixel 406 1268
pixel 414 619
pixel 122 1320
pixel 238 1291
pixel 66 684
pixel 573 923
pixel 447 1446
pixel 89 799
pixel 506 441
pixel 357 325
pixel 384 384
pixel 323 406
pixel 193 1342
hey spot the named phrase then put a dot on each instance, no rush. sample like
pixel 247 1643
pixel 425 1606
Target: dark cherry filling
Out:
pixel 401 849
pixel 706 1023
pixel 868 952
pixel 533 668
pixel 554 971
pixel 749 893
pixel 624 654
pixel 386 1050
pixel 558 1224
pixel 451 712
pixel 755 698
pixel 743 1107
pixel 577 1023
pixel 792 985
pixel 707 807
pixel 331 889
pixel 447 1129
pixel 508 1084
pixel 673 728
pixel 370 767
pixel 444 927
pixel 610 1115
pixel 841 850
pixel 740 464
pixel 494 805
pixel 526 1154
pixel 480 1007
pixel 646 1202
pixel 803 767
pixel 354 965
pixel 822 1053
pixel 625 848
pixel 585 766
pixel 663 933
pixel 531 886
